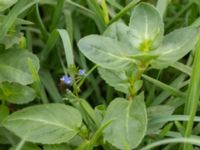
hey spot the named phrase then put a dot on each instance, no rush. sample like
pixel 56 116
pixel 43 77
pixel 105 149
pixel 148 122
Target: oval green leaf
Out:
pixel 105 52
pixel 129 122
pixel 16 93
pixel 175 45
pixel 46 124
pixel 14 66
pixel 119 31
pixel 116 79
pixel 146 27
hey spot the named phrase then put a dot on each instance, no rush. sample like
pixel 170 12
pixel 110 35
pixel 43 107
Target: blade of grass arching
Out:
pixel 67 47
pixel 183 68
pixel 124 11
pixel 162 119
pixel 162 6
pixel 82 9
pixel 12 16
pixel 178 135
pixel 44 32
pixel 37 85
pixel 18 21
pixel 164 86
pixel 193 93
pixel 94 6
pixel 50 86
pixel 49 45
pixel 57 13
pixel 99 17
pixel 194 141
pixel 69 24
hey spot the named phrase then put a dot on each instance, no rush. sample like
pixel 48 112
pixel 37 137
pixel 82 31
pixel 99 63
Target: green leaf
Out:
pixel 121 32
pixel 4 112
pixel 67 47
pixel 4 4
pixel 146 27
pixel 175 45
pixel 105 52
pixel 129 122
pixel 14 66
pixel 46 124
pixel 157 112
pixel 18 21
pixel 116 79
pixel 16 93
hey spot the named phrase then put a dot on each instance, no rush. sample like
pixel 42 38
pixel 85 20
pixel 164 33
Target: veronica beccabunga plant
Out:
pixel 122 54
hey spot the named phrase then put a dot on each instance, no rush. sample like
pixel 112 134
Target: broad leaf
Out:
pixel 121 32
pixel 14 66
pixel 4 4
pixel 175 45
pixel 16 93
pixel 116 79
pixel 129 122
pixel 105 52
pixel 146 27
pixel 46 124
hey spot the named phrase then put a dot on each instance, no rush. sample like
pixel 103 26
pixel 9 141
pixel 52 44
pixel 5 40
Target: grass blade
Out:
pixel 193 92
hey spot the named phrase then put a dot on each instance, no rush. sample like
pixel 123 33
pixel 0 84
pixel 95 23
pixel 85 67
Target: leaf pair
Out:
pixel 142 41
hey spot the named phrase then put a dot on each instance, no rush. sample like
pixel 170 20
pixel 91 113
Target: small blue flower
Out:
pixel 81 72
pixel 67 80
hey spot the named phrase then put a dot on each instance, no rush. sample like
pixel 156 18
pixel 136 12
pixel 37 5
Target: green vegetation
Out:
pixel 99 75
